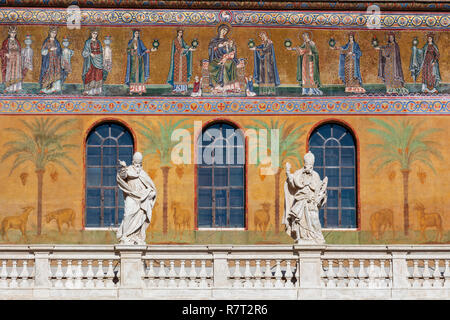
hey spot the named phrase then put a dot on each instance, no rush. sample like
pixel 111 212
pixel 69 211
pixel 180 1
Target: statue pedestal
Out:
pixel 302 242
pixel 131 270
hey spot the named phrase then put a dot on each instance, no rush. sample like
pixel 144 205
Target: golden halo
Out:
pixel 396 34
pixel 223 25
pixel 434 35
pixel 308 32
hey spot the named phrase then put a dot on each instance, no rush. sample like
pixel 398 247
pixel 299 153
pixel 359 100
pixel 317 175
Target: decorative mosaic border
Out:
pixel 255 4
pixel 143 17
pixel 257 106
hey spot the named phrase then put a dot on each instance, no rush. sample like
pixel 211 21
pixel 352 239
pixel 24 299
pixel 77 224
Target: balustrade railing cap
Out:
pixel 125 247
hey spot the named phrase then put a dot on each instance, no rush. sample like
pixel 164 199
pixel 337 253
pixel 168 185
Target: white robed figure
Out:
pixel 140 196
pixel 304 194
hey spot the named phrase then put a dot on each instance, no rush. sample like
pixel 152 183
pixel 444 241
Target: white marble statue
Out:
pixel 304 194
pixel 139 196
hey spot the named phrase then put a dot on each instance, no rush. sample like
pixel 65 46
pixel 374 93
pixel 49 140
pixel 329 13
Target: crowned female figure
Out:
pixel 93 72
pixel 180 64
pixel 426 60
pixel 11 58
pixel 52 74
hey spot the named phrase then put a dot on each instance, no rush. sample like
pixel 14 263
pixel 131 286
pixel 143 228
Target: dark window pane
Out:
pixel 237 197
pixel 204 176
pixel 332 218
pixel 338 131
pixel 108 217
pixel 93 156
pixel 325 131
pixel 316 140
pixel 221 198
pixel 205 197
pixel 333 176
pixel 121 211
pixel 93 197
pixel 348 157
pixel 237 218
pixel 348 198
pixel 318 156
pixel 121 200
pixel 347 177
pixel 103 130
pixel 126 154
pixel 220 177
pixel 322 217
pixel 331 156
pixel 347 140
pixel 116 130
pixel 93 176
pixel 237 176
pixel 221 218
pixel 109 197
pixel 94 139
pixel 332 199
pixel 126 139
pixel 109 142
pixel 204 218
pixel 348 219
pixel 110 156
pixel 109 176
pixel 92 217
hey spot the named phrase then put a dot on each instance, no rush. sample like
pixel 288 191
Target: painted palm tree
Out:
pixel 403 143
pixel 42 142
pixel 289 149
pixel 159 143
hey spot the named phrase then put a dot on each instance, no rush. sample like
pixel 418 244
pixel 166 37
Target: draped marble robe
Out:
pixel 304 194
pixel 139 195
pixel 265 68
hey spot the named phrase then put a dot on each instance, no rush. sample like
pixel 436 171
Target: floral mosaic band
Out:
pixel 131 17
pixel 182 106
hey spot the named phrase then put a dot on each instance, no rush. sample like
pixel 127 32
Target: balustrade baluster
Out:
pixel 268 276
pixel 437 274
pixel 24 275
pixel 258 274
pixel 288 275
pixel 447 274
pixel 247 275
pixel 161 275
pixel 341 274
pixel 192 275
pixel 69 275
pixel 13 275
pixel 99 283
pixel 59 274
pixel 151 275
pixel 426 275
pixel 110 275
pixel 351 274
pixel 416 274
pixel 383 281
pixel 172 274
pixel 89 275
pixel 323 276
pixel 362 275
pixel 278 274
pixel 182 275
pixel 79 275
pixel 237 274
pixel 4 275
pixel 203 275
pixel 372 274
pixel 330 275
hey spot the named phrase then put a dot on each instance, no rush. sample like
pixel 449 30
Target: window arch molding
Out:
pixel 205 126
pixel 87 132
pixel 352 131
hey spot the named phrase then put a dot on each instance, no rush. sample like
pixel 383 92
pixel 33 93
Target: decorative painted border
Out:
pixel 143 17
pixel 243 106
pixel 254 4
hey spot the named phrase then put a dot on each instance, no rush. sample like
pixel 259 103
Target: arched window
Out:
pixel 106 144
pixel 333 146
pixel 221 177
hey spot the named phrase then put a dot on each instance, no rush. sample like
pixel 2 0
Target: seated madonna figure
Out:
pixel 223 63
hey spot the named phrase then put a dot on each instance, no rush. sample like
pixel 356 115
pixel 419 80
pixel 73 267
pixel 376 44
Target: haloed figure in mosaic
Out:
pixel 390 66
pixel 180 64
pixel 308 74
pixel 52 74
pixel 426 60
pixel 265 70
pixel 10 55
pixel 223 62
pixel 138 64
pixel 93 72
pixel 349 71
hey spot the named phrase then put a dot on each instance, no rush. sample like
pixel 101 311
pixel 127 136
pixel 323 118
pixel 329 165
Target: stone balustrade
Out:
pixel 225 272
